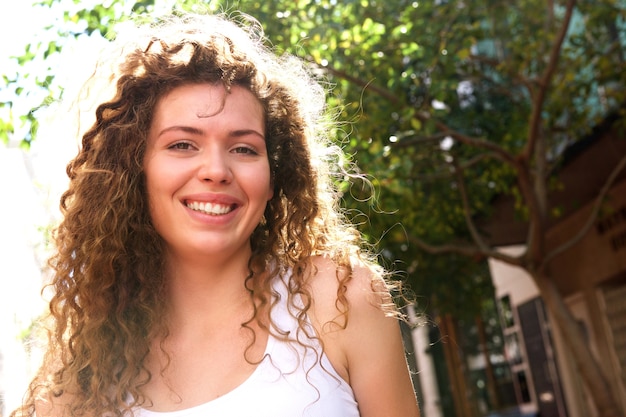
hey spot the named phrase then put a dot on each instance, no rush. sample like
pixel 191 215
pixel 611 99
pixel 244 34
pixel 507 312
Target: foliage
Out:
pixel 410 77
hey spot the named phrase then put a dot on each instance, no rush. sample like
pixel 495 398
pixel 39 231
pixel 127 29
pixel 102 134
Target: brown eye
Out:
pixel 245 150
pixel 182 146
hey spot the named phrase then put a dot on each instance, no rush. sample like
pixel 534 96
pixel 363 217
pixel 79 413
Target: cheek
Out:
pixel 161 177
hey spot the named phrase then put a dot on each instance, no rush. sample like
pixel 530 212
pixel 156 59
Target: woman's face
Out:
pixel 207 170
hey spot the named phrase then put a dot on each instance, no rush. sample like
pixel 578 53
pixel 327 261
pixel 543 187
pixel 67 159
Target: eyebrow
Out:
pixel 186 129
pixel 200 132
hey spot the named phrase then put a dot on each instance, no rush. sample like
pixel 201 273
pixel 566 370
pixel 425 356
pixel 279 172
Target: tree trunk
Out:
pixel 595 380
pixel 455 368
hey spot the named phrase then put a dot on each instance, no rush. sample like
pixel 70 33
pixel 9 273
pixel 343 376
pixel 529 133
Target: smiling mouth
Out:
pixel 210 208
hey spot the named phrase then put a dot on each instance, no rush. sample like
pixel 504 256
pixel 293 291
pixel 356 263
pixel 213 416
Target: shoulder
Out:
pixel 347 303
pixel 361 283
pixel 342 293
pixel 361 336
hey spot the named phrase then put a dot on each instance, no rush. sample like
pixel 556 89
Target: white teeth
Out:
pixel 209 208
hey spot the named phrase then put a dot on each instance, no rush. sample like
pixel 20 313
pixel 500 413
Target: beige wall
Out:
pixel 511 280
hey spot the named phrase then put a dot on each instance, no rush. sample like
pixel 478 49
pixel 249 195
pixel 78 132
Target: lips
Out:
pixel 214 209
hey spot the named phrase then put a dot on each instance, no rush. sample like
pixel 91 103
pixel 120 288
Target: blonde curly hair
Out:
pixel 108 283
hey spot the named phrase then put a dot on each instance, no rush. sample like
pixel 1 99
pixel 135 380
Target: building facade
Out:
pixel 590 275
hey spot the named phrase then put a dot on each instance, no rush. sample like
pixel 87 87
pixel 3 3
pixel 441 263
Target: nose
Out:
pixel 214 167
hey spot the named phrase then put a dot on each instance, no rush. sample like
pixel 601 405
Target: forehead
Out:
pixel 212 96
pixel 208 101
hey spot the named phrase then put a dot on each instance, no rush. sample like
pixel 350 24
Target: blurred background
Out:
pixel 493 134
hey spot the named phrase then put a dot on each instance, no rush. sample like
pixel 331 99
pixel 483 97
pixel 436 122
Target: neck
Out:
pixel 207 291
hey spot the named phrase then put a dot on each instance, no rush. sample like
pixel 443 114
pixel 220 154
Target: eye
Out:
pixel 181 146
pixel 245 150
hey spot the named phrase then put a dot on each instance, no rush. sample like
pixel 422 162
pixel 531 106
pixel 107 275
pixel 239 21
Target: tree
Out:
pixel 451 103
pixel 483 97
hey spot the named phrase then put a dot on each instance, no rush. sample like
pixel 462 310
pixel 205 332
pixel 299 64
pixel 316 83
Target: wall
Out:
pixel 601 254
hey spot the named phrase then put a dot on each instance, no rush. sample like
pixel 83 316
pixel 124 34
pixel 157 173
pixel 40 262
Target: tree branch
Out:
pixel 535 237
pixel 467 214
pixel 466 250
pixel 495 64
pixel 444 130
pixel 405 141
pixel 369 85
pixel 464 165
pixel 497 150
pixel 544 84
pixel 592 217
pixel 529 190
pixel 494 149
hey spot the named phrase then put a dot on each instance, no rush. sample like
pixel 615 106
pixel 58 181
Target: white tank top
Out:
pixel 289 382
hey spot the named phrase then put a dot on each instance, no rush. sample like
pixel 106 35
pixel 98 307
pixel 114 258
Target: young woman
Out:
pixel 203 265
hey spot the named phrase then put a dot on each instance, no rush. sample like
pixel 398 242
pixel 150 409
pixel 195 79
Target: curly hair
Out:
pixel 108 269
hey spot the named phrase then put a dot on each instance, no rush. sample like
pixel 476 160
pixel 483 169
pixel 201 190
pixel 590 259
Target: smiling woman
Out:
pixel 202 264
pixel 207 172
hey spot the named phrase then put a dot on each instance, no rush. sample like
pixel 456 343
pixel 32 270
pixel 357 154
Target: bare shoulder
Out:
pixel 349 302
pixel 361 338
pixel 362 286
pixel 341 295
